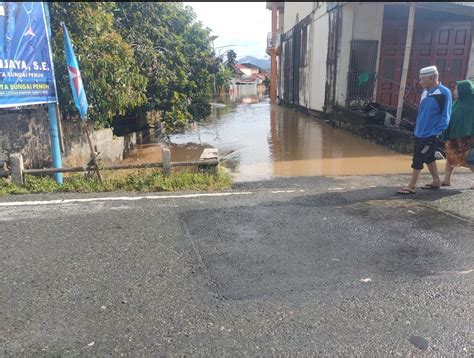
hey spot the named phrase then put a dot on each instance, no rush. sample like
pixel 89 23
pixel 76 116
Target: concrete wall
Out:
pixel 77 150
pixel 470 69
pixel 318 56
pixel 302 9
pixel 281 21
pixel 344 51
pixel 368 25
pixel 279 77
pixel 368 21
pixel 305 69
pixel 26 131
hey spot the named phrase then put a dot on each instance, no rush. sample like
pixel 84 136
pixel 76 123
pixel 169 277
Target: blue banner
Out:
pixel 26 69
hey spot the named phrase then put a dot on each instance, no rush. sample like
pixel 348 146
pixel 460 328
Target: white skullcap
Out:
pixel 428 71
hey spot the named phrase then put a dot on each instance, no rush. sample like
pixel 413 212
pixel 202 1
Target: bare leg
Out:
pixel 433 168
pixel 472 170
pixel 414 178
pixel 448 174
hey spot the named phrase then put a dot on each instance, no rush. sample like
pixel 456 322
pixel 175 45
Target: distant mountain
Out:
pixel 263 63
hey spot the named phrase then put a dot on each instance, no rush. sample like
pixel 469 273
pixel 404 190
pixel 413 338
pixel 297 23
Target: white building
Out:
pixel 347 54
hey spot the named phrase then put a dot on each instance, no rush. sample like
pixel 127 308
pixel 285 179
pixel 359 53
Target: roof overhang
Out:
pixel 280 5
pixel 451 7
pixel 460 8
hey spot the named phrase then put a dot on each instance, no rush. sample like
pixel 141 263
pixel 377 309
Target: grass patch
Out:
pixel 141 180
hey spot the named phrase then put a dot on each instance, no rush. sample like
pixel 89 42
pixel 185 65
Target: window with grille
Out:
pixel 362 75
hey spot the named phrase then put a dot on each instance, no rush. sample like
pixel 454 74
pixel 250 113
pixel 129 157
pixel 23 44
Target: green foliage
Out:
pixel 111 77
pixel 200 107
pixel 231 58
pixel 135 57
pixel 224 77
pixel 141 180
pixel 173 51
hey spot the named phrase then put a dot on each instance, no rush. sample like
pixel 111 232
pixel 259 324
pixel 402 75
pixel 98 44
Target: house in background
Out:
pixel 242 70
pixel 347 54
pixel 248 83
pixel 248 74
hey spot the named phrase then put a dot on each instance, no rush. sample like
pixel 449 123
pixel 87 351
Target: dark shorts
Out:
pixel 425 149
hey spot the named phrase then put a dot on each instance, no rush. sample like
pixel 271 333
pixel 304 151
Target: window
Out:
pixel 361 76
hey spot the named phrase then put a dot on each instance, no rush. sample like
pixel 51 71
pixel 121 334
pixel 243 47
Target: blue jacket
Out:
pixel 434 112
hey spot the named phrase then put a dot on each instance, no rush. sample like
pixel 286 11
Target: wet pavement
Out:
pixel 310 266
pixel 262 142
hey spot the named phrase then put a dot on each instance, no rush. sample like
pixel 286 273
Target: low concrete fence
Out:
pixel 26 131
pixel 208 162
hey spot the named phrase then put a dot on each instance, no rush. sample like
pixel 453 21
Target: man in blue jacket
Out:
pixel 433 117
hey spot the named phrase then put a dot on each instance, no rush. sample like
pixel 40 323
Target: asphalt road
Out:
pixel 305 266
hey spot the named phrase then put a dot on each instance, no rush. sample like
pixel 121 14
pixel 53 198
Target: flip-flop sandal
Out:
pixel 429 187
pixel 406 191
pixel 445 184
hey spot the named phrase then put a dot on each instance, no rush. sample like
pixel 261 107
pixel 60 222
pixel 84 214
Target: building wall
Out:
pixel 360 21
pixel 302 9
pixel 279 77
pixel 281 21
pixel 368 21
pixel 318 56
pixel 470 68
pixel 344 49
pixel 246 71
pixel 312 74
pixel 368 25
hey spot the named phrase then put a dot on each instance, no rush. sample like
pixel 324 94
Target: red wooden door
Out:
pixel 424 35
pixel 391 62
pixel 458 39
pixel 446 45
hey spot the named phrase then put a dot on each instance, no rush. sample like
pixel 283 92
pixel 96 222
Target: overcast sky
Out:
pixel 244 24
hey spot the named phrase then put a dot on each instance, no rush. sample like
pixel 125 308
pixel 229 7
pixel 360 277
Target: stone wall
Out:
pixel 26 131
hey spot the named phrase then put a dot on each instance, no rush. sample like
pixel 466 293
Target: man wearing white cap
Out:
pixel 433 117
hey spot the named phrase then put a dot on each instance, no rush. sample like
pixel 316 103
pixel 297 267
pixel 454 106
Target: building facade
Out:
pixel 348 54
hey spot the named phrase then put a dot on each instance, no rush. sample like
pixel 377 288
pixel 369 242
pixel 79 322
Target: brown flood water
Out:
pixel 262 142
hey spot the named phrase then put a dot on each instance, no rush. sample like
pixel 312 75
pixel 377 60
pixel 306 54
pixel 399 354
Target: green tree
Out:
pixel 224 77
pixel 231 58
pixel 112 80
pixel 173 51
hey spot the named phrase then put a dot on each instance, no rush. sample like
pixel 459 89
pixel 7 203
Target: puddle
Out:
pixel 261 142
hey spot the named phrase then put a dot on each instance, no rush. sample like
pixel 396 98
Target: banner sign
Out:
pixel 26 70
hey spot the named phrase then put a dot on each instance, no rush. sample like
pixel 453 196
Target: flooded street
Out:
pixel 261 142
